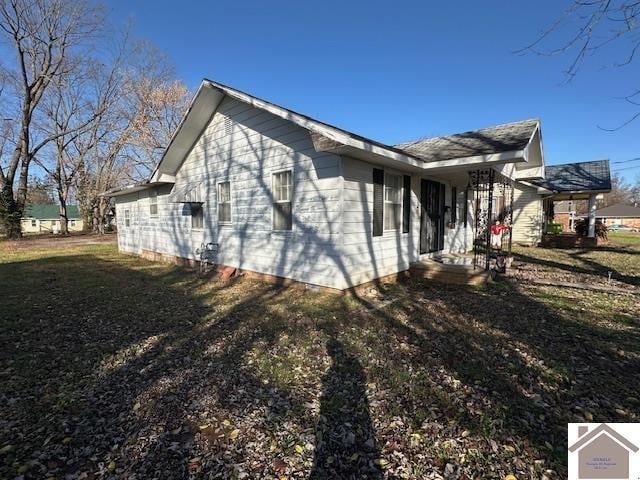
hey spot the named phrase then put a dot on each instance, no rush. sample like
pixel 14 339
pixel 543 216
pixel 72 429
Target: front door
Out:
pixel 431 216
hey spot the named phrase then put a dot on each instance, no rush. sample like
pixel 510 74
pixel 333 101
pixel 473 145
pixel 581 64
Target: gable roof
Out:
pixel 577 177
pixel 601 429
pixel 43 211
pixel 500 138
pixel 205 103
pixel 619 210
pixel 502 143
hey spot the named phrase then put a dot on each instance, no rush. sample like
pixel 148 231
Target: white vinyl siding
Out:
pixel 254 145
pixel 527 215
pixel 367 257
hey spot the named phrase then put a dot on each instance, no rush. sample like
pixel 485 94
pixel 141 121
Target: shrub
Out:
pixel 554 228
pixel 582 228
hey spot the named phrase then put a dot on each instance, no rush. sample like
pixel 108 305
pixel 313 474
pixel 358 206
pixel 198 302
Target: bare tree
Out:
pixel 39 191
pixel 43 34
pixel 589 27
pixel 73 110
pixel 621 192
pixel 132 134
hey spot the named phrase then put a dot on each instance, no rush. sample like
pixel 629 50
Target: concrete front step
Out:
pixel 454 274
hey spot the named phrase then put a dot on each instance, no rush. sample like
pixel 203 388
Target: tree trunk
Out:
pixel 95 222
pixel 10 213
pixel 103 206
pixel 64 220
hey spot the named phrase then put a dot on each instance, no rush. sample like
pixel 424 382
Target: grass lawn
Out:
pixel 112 366
pixel 620 257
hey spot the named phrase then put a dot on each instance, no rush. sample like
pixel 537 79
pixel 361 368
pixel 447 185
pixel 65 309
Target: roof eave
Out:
pixel 513 156
pixel 132 188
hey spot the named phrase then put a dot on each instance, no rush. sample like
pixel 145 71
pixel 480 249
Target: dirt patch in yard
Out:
pixel 58 241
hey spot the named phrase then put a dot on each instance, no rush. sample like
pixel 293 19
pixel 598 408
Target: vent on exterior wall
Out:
pixel 227 126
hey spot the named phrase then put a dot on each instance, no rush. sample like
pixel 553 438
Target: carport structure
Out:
pixel 576 181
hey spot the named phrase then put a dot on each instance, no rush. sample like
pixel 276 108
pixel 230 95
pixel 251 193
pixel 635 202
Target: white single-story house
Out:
pixel 619 214
pixel 288 196
pixel 45 218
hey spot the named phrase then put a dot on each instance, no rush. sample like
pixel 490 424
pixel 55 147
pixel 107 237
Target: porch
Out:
pixel 450 268
pixel 582 182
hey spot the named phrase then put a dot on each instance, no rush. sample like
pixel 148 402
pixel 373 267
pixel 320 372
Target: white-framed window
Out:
pixel 34 223
pixel 73 223
pixel 197 216
pixel 392 201
pixel 224 203
pixel 153 202
pixel 127 218
pixel 282 185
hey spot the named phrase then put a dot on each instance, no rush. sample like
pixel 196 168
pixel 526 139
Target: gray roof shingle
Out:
pixel 619 210
pixel 501 138
pixel 577 177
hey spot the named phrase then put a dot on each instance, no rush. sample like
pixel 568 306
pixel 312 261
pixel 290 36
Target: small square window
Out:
pixel 197 216
pixel 33 223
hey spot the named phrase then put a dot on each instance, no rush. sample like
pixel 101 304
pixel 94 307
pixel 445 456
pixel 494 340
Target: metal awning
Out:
pixel 133 188
pixel 192 192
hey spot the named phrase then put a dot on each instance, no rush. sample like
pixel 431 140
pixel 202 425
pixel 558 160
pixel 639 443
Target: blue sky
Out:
pixel 394 71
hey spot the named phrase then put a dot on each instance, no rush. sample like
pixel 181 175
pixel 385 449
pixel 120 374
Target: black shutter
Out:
pixel 466 207
pixel 378 201
pixel 441 236
pixel 454 205
pixel 406 204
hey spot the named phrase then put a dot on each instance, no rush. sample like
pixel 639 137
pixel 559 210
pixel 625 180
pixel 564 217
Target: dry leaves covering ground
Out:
pixel 114 367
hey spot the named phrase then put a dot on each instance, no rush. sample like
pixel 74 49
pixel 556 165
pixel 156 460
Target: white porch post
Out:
pixel 592 216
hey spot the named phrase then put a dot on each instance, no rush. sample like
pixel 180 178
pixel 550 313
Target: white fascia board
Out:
pixel 507 170
pixel 165 178
pixel 132 188
pixel 531 163
pixel 539 190
pixel 194 121
pixel 532 173
pixel 515 156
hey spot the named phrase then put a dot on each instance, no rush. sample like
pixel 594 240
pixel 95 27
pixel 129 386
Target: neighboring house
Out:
pixel 42 218
pixel 602 453
pixel 576 181
pixel 288 196
pixel 619 214
pixel 564 213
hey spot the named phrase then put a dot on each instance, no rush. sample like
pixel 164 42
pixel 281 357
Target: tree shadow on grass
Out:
pixel 505 367
pixel 589 266
pixel 147 370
